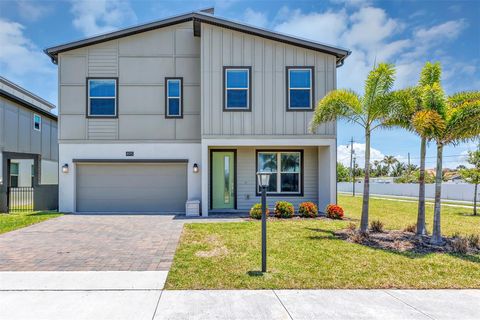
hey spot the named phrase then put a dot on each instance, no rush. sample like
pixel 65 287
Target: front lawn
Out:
pixel 12 221
pixel 307 254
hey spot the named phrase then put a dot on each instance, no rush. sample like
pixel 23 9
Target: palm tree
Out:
pixel 450 120
pixel 368 111
pixel 410 103
pixel 389 161
pixel 398 169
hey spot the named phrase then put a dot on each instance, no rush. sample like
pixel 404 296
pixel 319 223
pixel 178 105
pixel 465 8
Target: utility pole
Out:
pixel 409 159
pixel 353 174
pixel 351 157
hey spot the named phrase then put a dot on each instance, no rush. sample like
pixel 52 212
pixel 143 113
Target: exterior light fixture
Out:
pixel 65 168
pixel 263 182
pixel 195 168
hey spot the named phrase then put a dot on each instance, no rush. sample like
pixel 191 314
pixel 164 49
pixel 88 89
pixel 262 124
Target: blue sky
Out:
pixel 406 33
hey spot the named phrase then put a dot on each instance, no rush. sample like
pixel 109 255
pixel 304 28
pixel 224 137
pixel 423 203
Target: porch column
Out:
pixel 205 174
pixel 327 175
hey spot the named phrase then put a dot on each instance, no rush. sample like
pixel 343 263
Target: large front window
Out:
pixel 299 88
pixel 286 170
pixel 237 88
pixel 102 97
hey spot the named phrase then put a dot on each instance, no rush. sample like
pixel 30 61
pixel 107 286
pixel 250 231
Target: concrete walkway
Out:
pixel 139 295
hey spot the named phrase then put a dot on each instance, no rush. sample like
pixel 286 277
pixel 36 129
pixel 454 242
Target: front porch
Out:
pixel 229 169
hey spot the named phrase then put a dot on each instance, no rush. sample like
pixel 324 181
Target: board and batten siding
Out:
pixel 268 59
pixel 140 62
pixel 17 133
pixel 246 175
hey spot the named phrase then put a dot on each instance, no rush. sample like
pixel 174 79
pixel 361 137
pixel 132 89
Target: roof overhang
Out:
pixel 26 104
pixel 201 17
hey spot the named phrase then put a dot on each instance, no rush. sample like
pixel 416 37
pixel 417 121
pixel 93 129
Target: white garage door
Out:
pixel 131 187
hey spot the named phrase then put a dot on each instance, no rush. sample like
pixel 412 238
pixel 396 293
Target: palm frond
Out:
pixel 463 122
pixel 433 98
pixel 379 82
pixel 337 104
pixel 429 124
pixel 403 105
pixel 460 98
pixel 431 73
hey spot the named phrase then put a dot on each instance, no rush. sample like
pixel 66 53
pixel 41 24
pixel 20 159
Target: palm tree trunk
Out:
pixel 475 200
pixel 421 190
pixel 437 232
pixel 366 183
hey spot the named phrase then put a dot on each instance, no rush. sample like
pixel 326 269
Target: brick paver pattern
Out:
pixel 93 243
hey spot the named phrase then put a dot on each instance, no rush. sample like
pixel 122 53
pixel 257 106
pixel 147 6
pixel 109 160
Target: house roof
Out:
pixel 204 16
pixel 29 100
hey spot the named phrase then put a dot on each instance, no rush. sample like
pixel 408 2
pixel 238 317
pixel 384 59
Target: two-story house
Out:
pixel 28 150
pixel 190 108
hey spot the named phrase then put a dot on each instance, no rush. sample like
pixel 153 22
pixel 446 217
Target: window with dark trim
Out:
pixel 237 94
pixel 173 97
pixel 300 84
pixel 102 97
pixel 37 122
pixel 286 168
pixel 14 171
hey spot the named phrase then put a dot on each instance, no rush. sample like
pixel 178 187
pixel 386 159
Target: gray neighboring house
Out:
pixel 190 108
pixel 28 149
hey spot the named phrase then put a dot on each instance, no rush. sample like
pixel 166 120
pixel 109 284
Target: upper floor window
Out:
pixel 299 88
pixel 37 122
pixel 102 97
pixel 173 97
pixel 237 94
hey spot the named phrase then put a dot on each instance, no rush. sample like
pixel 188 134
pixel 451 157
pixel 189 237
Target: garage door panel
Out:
pixel 131 187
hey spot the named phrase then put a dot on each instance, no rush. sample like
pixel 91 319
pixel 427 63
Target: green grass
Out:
pixel 17 220
pixel 306 254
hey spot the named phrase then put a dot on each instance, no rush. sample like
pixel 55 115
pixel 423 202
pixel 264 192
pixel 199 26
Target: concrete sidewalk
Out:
pixel 139 295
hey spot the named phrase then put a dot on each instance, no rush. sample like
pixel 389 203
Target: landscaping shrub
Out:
pixel 351 226
pixel 308 210
pixel 256 211
pixel 410 228
pixel 334 211
pixel 460 244
pixel 284 209
pixel 358 236
pixel 474 241
pixel 376 226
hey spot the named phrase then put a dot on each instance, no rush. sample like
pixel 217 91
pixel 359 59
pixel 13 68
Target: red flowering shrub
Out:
pixel 256 211
pixel 308 210
pixel 334 211
pixel 284 209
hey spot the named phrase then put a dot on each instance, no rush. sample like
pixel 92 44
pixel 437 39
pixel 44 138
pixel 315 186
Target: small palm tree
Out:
pixel 410 103
pixel 389 161
pixel 368 111
pixel 450 120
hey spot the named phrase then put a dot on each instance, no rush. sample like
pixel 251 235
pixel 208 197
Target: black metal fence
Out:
pixel 20 199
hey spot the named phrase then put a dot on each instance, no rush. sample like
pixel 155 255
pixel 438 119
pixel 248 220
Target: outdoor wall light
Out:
pixel 65 168
pixel 195 168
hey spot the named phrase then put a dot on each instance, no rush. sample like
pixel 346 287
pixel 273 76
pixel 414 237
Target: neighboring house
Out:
pixel 28 147
pixel 190 108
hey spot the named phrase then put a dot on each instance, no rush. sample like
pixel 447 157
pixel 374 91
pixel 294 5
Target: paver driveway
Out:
pixel 93 243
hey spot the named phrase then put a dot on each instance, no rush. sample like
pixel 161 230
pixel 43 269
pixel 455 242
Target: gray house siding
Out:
pixel 140 62
pixel 17 133
pixel 268 59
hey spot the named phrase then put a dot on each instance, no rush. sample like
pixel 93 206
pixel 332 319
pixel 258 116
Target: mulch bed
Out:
pixel 402 241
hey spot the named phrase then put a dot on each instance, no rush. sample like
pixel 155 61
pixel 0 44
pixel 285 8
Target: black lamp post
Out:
pixel 263 181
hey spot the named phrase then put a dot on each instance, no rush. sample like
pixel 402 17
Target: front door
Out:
pixel 223 179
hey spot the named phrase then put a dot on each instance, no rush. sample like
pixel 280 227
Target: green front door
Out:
pixel 223 180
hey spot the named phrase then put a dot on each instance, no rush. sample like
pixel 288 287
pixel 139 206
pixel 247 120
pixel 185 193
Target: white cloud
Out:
pixel 255 18
pixel 374 36
pixel 343 154
pixel 352 3
pixel 32 11
pixel 19 56
pixel 324 27
pixel 100 16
